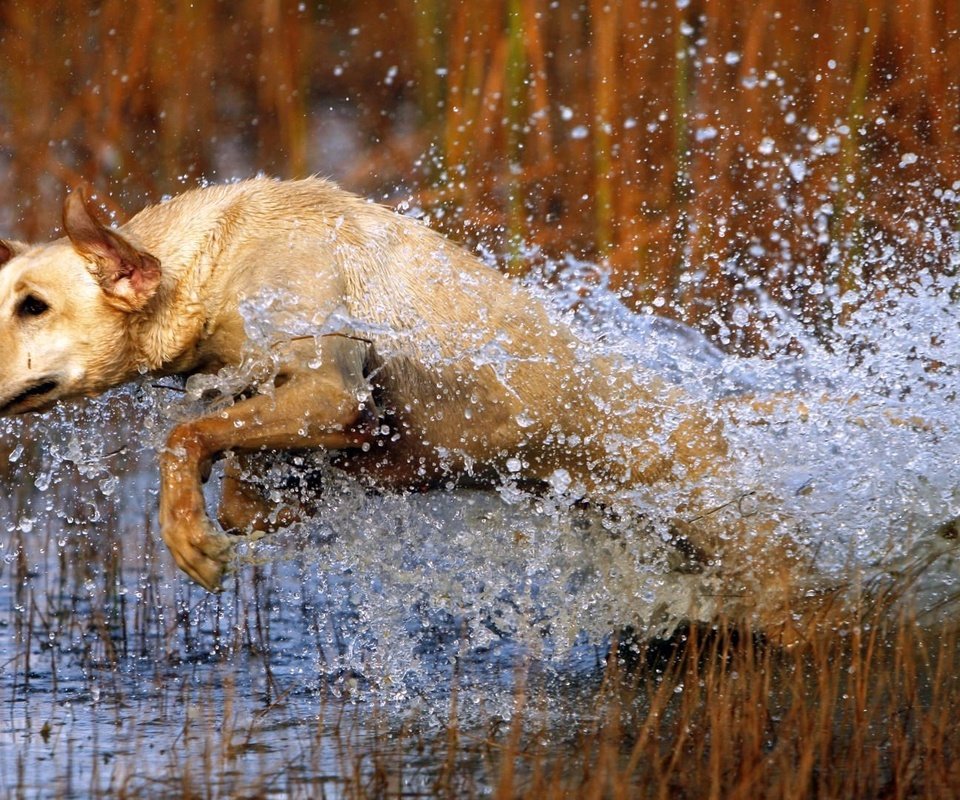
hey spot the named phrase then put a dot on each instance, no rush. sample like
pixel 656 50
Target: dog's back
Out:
pixel 470 363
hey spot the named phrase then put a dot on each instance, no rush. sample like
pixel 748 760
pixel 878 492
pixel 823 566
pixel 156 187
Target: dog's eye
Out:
pixel 32 306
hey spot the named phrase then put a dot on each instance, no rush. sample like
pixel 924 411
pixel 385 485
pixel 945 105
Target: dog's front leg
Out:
pixel 200 549
pixel 318 409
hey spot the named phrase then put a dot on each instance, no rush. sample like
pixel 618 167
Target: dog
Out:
pixel 345 327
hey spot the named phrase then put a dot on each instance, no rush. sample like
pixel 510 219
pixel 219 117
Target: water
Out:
pixel 360 628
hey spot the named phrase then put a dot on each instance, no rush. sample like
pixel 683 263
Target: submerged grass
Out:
pixel 862 705
pixel 112 664
pixel 858 701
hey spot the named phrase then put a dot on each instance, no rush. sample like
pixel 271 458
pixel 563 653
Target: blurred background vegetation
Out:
pixel 708 154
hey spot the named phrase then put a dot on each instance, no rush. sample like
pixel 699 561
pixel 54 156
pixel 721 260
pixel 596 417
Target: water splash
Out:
pixel 857 467
pixel 403 597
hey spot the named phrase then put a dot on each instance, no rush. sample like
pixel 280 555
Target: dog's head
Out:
pixel 66 311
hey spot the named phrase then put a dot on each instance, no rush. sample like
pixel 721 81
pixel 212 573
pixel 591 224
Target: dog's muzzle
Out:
pixel 37 389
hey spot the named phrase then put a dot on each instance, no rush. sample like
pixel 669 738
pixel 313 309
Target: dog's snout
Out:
pixel 37 389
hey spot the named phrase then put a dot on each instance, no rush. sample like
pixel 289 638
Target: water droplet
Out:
pixel 907 159
pixel 560 480
pixel 705 134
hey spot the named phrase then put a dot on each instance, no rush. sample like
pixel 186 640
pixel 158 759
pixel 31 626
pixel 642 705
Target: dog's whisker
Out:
pixel 169 387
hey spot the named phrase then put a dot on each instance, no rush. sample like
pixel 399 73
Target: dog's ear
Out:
pixel 9 249
pixel 128 276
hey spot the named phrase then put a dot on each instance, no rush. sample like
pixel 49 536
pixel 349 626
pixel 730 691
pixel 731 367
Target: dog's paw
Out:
pixel 200 550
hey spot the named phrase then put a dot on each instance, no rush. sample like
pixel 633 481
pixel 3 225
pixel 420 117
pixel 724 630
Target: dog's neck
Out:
pixel 167 334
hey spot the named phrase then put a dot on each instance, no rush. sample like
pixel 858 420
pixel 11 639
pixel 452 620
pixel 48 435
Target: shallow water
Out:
pixel 119 675
pixel 339 634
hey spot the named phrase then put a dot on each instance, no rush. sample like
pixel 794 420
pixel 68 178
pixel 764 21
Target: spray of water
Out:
pixel 847 467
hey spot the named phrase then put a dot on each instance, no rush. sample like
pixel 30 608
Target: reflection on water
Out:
pixel 116 672
pixel 348 638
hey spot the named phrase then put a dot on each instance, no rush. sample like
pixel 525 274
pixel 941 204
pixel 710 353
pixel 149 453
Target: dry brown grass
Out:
pixel 656 136
pixel 861 709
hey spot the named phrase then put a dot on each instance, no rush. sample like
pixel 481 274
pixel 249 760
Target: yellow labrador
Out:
pixel 352 329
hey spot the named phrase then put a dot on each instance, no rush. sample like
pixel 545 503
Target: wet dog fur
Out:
pixel 423 366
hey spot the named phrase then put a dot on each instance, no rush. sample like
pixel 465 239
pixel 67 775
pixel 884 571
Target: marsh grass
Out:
pixel 692 147
pixel 858 710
